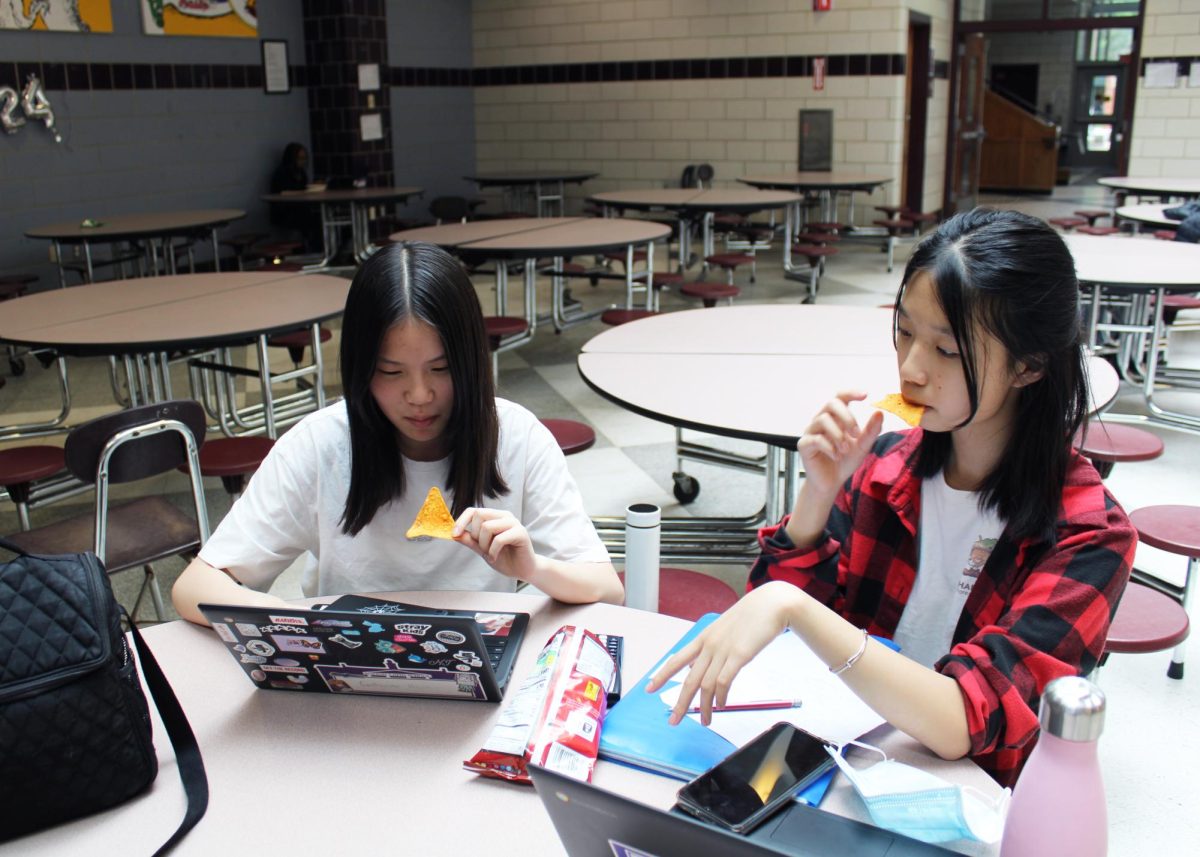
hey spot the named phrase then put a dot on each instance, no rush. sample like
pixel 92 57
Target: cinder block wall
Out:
pixel 606 87
pixel 1166 122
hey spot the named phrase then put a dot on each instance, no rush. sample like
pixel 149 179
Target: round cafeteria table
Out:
pixel 150 227
pixel 689 204
pixel 1149 214
pixel 1145 271
pixel 1153 185
pixel 358 201
pixel 151 317
pixel 547 186
pixel 826 184
pixel 755 372
pixel 294 773
pixel 531 238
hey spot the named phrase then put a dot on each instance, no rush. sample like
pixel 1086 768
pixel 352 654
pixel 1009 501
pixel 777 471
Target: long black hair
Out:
pixel 1013 276
pixel 421 281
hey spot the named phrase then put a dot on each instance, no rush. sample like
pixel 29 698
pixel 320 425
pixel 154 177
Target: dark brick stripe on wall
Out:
pixel 107 76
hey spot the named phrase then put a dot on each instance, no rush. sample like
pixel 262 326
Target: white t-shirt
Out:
pixel 956 539
pixel 294 504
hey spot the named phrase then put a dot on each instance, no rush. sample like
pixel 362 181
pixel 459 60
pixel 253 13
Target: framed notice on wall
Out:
pixel 816 140
pixel 275 66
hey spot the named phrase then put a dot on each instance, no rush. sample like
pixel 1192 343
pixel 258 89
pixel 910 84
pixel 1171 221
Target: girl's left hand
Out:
pixel 724 647
pixel 499 538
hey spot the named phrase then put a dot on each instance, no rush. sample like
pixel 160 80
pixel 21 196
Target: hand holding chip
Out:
pixel 834 444
pixel 499 538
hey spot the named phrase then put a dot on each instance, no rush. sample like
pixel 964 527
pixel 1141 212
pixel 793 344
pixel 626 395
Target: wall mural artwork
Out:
pixel 74 16
pixel 199 18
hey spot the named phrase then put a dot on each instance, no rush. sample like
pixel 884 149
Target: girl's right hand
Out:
pixel 834 445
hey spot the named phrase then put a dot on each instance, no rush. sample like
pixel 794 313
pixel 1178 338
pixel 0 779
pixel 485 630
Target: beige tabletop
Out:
pixel 1151 213
pixel 181 311
pixel 458 234
pixel 526 237
pixel 123 226
pixel 695 199
pixel 817 180
pixel 531 177
pixel 725 369
pixel 325 774
pixel 1154 184
pixel 1140 263
pixel 356 195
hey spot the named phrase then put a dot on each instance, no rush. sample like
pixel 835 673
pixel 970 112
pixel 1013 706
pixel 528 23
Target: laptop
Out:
pixel 592 822
pixel 360 645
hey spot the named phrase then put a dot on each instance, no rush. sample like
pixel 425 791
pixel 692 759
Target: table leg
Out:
pixel 216 248
pixel 62 274
pixel 268 395
pixel 23 430
pixel 87 258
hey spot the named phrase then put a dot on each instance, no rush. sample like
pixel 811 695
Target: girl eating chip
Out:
pixel 979 542
pixel 420 411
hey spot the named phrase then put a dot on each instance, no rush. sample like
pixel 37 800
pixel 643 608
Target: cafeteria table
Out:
pixel 1147 214
pixel 690 205
pixel 527 239
pixel 826 184
pixel 755 372
pixel 1141 272
pixel 1160 186
pixel 151 227
pixel 145 322
pixel 357 202
pixel 299 773
pixel 547 187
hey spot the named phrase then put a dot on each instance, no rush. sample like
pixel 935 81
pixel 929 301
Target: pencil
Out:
pixel 760 705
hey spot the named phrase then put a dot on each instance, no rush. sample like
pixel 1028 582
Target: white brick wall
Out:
pixel 643 133
pixel 1166 122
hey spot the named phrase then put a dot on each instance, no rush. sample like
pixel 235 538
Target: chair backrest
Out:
pixel 688 178
pixel 704 175
pixel 137 457
pixel 134 444
pixel 449 208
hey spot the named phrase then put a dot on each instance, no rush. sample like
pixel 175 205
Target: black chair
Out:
pixel 449 209
pixel 129 445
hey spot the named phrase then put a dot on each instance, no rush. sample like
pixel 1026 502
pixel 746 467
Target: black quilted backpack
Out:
pixel 74 724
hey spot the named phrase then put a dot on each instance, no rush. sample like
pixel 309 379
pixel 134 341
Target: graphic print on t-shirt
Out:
pixel 980 551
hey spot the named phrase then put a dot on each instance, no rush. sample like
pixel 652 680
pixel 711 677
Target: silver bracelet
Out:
pixel 853 659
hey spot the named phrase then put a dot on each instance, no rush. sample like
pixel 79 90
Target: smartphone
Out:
pixel 748 786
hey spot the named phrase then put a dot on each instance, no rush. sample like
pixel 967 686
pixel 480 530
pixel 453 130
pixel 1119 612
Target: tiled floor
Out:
pixel 1149 750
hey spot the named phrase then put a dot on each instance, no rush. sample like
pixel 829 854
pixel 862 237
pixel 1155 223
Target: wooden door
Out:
pixel 968 122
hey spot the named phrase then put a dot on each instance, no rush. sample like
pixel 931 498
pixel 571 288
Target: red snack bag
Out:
pixel 554 717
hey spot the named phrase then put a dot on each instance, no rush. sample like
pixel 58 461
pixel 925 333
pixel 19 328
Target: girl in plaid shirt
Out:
pixel 1013 576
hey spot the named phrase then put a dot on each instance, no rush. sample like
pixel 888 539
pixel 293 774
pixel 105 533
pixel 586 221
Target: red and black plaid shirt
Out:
pixel 1039 609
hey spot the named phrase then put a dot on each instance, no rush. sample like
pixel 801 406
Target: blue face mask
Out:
pixel 919 804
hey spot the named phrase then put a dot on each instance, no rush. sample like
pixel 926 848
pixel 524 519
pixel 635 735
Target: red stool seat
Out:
pixel 12 290
pixel 826 226
pixel 572 436
pixel 895 226
pixel 573 269
pixel 21 279
pixel 616 317
pixel 619 256
pixel 667 278
pixel 814 252
pixel 922 216
pixel 1146 621
pixel 1091 215
pixel 1112 442
pixel 1165 234
pixel 1067 223
pixel 688 594
pixel 295 341
pixel 500 326
pixel 710 293
pixel 890 210
pixel 1175 529
pixel 233 459
pixel 23 464
pixel 819 237
pixel 1098 230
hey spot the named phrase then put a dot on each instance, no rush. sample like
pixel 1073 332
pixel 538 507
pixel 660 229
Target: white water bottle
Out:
pixel 1058 805
pixel 643 523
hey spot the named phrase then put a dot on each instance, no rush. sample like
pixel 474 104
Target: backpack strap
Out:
pixel 183 741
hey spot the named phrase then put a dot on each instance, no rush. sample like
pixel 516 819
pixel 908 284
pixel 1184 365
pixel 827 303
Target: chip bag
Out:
pixel 554 718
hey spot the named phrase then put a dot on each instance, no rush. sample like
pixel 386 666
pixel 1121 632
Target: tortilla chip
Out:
pixel 901 407
pixel 434 520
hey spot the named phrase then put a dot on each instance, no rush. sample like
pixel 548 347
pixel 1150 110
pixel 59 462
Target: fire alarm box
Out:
pixel 821 5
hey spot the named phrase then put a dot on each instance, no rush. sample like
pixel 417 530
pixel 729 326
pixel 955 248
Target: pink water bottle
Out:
pixel 1058 804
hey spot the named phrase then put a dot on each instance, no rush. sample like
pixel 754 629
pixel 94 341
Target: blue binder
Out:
pixel 636 732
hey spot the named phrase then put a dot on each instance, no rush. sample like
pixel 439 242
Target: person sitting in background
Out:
pixel 291 176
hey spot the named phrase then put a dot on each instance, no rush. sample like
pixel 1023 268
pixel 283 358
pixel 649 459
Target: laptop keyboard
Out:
pixel 495 649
